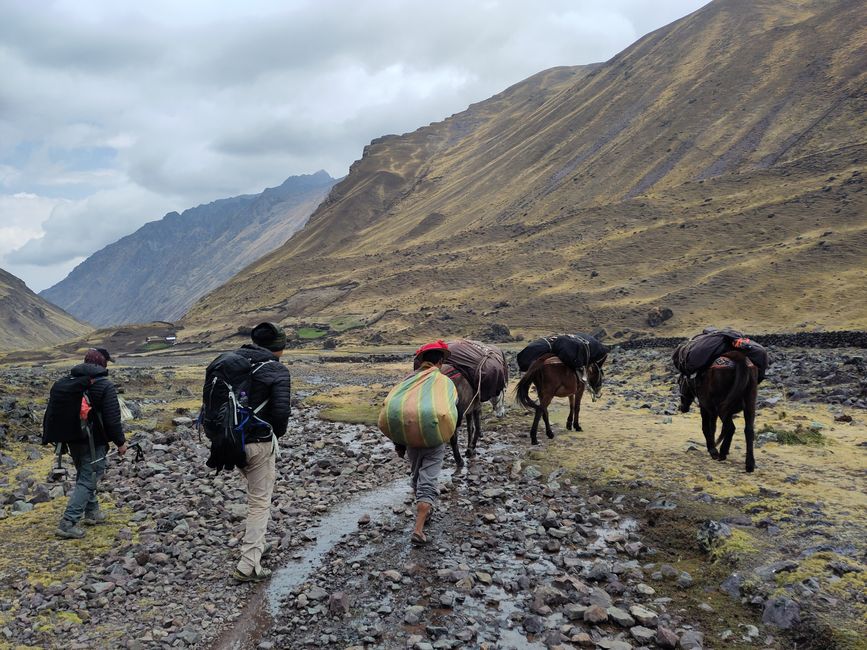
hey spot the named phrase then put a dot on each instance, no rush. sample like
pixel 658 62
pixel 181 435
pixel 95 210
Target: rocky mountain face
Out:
pixel 28 321
pixel 157 272
pixel 711 172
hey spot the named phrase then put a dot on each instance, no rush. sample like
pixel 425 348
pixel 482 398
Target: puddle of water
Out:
pixel 334 526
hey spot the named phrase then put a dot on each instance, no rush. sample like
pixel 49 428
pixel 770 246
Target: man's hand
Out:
pixel 400 449
pixel 121 450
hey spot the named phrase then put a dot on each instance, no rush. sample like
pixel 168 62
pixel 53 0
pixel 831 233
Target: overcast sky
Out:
pixel 113 113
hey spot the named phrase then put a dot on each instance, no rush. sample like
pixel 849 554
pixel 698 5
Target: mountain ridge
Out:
pixel 158 271
pixel 740 121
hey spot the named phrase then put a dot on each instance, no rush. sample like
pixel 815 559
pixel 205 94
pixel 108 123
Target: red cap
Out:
pixel 436 345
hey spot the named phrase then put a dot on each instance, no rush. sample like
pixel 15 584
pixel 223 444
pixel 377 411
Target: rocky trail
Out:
pixel 610 538
pixel 517 559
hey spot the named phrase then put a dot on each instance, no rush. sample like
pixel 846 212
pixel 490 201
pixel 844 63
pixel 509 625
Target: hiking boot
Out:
pixel 268 548
pixel 255 576
pixel 68 530
pixel 94 518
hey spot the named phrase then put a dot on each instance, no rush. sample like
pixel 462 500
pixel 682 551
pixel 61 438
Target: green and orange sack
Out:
pixel 420 411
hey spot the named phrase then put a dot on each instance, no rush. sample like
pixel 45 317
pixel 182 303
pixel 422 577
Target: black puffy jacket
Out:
pixel 271 382
pixel 103 399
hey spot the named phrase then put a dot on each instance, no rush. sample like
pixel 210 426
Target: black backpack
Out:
pixel 68 416
pixel 226 416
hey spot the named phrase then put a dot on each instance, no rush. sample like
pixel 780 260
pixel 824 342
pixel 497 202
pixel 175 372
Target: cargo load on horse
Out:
pixel 483 365
pixel 575 350
pixel 701 350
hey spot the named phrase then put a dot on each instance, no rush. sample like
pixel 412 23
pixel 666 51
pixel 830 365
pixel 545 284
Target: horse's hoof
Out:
pixel 713 454
pixel 578 429
pixel 550 435
pixel 459 464
pixel 751 468
pixel 470 453
pixel 534 442
pixel 721 458
pixel 568 426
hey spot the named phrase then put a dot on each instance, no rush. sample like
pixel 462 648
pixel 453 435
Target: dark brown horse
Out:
pixel 729 386
pixel 470 408
pixel 553 378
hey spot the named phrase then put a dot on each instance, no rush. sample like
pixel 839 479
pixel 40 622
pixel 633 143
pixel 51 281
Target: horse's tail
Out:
pixel 733 402
pixel 522 391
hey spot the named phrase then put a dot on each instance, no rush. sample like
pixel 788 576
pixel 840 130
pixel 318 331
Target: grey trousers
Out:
pixel 83 498
pixel 427 462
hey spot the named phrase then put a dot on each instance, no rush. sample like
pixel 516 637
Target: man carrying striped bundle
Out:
pixel 420 416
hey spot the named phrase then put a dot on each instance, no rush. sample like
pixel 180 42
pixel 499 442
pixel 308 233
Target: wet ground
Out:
pixel 588 540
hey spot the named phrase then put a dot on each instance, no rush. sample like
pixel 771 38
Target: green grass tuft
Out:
pixel 311 333
pixel 801 435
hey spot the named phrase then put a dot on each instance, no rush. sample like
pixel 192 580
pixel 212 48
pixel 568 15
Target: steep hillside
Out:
pixel 713 168
pixel 27 321
pixel 157 272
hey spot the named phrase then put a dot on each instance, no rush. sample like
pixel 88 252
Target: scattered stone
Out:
pixel 732 585
pixel 643 615
pixel 642 634
pixel 781 612
pixel 621 617
pixel 613 644
pixel 684 580
pixel 338 604
pixel 413 614
pixel 595 614
pixel 666 638
pixel 691 640
pixel 533 624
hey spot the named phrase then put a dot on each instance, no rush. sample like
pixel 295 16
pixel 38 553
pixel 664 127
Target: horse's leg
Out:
pixel 571 412
pixel 534 428
pixel 708 428
pixel 545 403
pixel 456 452
pixel 472 431
pixel 728 432
pixel 477 430
pixel 749 424
pixel 579 393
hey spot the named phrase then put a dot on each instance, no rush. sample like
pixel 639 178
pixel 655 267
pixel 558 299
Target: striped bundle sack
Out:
pixel 420 411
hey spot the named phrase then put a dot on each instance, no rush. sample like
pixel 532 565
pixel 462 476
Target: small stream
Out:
pixel 334 526
pixel 263 605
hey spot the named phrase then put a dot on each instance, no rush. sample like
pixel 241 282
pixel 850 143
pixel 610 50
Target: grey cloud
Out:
pixel 217 99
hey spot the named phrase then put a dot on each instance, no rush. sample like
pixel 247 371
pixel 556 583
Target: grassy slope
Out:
pixel 694 170
pixel 28 321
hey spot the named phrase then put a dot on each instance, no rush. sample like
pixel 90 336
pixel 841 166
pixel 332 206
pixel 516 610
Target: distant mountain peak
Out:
pixel 157 272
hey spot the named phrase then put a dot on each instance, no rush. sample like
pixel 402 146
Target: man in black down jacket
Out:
pixel 106 428
pixel 270 382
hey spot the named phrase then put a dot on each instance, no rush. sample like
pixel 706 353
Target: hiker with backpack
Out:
pixel 83 416
pixel 245 409
pixel 420 416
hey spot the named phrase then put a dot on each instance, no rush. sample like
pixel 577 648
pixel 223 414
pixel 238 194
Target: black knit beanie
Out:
pixel 270 336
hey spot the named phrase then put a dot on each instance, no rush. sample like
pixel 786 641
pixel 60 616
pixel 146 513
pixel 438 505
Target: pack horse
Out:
pixel 560 366
pixel 480 374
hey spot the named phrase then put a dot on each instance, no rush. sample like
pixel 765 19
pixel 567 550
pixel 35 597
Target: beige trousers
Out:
pixel 261 473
